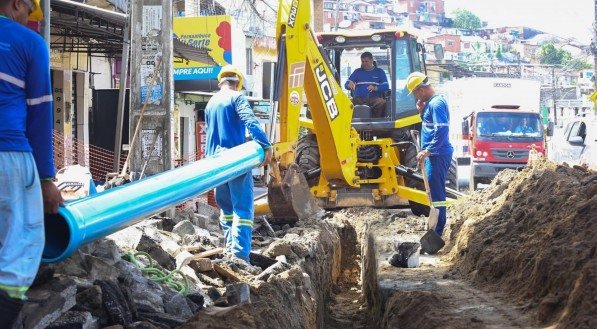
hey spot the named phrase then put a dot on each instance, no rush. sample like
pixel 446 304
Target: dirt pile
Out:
pixel 532 236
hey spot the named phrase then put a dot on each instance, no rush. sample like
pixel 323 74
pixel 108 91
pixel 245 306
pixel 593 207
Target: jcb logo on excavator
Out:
pixel 293 12
pixel 326 91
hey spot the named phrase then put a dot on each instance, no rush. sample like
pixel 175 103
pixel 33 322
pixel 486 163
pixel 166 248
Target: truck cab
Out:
pixel 501 138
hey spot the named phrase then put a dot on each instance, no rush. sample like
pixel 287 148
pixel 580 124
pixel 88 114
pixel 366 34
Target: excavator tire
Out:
pixel 409 155
pixel 307 156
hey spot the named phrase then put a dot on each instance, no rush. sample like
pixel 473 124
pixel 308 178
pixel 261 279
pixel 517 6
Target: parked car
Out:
pixel 578 143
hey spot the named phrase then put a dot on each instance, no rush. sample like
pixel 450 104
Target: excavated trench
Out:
pixel 332 283
pixel 340 277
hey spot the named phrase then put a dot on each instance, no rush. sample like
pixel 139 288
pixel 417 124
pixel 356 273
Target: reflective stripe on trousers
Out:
pixel 437 167
pixel 235 200
pixel 22 234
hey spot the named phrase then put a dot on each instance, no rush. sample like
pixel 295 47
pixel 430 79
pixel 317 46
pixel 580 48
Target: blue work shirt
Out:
pixel 26 95
pixel 436 126
pixel 364 78
pixel 227 115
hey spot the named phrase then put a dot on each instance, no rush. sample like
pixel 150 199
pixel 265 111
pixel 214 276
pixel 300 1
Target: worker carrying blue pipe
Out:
pixel 26 154
pixel 228 116
pixel 435 143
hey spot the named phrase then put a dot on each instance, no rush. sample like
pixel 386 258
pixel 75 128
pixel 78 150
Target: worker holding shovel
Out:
pixel 436 150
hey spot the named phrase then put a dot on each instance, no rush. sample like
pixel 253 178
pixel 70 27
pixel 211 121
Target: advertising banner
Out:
pixel 202 45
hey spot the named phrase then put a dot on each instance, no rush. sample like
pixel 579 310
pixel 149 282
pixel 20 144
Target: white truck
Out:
pixel 494 123
pixel 468 95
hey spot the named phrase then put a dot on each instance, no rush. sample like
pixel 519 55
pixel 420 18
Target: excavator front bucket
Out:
pixel 289 198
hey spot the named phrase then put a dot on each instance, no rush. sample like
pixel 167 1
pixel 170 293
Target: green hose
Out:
pixel 158 275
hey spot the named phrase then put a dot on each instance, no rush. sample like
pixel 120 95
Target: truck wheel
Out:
pixel 409 156
pixel 307 156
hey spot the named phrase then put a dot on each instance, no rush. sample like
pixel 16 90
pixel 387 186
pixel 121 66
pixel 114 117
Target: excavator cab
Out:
pixel 398 54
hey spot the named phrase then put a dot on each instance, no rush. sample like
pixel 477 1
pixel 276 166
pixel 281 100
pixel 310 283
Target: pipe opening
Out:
pixel 57 236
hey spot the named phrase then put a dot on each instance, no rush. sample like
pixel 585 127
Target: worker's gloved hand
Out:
pixel 52 197
pixel 268 157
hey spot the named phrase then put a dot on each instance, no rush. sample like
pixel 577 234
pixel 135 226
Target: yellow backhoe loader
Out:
pixel 346 157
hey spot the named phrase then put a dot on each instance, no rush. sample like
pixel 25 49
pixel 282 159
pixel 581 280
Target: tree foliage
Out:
pixel 549 54
pixel 464 19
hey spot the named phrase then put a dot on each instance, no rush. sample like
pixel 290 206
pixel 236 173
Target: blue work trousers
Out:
pixel 22 234
pixel 235 200
pixel 437 167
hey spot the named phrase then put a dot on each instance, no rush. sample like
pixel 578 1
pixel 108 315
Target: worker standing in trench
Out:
pixel 26 154
pixel 436 148
pixel 227 115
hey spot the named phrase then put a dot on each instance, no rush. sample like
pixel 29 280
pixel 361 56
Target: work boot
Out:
pixel 10 309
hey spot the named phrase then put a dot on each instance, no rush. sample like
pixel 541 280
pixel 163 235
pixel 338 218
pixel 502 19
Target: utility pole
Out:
pixel 152 88
pixel 594 48
pixel 553 95
pixel 124 72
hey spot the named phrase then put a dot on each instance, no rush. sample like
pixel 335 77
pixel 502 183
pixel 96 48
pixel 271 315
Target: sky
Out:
pixel 565 18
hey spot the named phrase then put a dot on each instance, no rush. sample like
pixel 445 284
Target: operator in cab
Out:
pixel 436 150
pixel 368 84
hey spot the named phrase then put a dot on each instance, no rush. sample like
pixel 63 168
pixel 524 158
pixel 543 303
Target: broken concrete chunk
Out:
pixel 272 270
pixel 47 303
pixel 177 305
pixel 99 269
pixel 90 299
pixel 76 320
pixel 197 298
pixel 161 319
pixel 279 247
pixel 202 264
pixel 238 293
pixel 184 228
pixel 115 303
pixel 127 238
pixel 106 249
pixel 208 211
pixel 142 325
pixel 151 245
pixel 145 293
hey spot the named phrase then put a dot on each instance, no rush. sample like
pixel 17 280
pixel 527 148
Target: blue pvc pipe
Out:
pixel 84 220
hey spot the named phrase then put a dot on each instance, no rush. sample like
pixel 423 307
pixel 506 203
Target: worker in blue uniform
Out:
pixel 435 143
pixel 26 154
pixel 228 116
pixel 368 84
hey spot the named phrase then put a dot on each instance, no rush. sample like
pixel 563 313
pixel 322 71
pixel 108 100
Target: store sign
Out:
pixel 202 45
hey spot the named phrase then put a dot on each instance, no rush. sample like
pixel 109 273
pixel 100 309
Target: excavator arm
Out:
pixel 307 74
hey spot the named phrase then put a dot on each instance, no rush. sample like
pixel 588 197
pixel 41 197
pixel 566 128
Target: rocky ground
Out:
pixel 520 254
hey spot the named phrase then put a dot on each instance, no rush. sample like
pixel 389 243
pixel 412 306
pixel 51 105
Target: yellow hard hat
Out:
pixel 37 14
pixel 231 73
pixel 416 80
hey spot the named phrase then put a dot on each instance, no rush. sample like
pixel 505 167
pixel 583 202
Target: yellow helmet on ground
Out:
pixel 37 14
pixel 416 80
pixel 231 73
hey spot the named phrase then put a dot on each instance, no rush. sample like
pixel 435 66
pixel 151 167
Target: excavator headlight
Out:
pixel 376 37
pixel 340 39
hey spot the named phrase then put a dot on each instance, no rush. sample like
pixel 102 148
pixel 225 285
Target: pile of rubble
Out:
pixel 531 236
pixel 165 273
